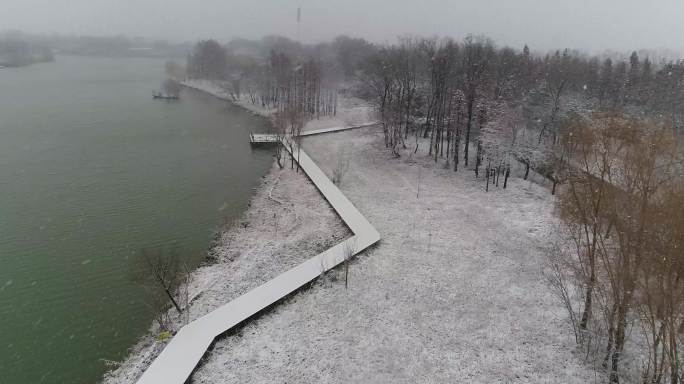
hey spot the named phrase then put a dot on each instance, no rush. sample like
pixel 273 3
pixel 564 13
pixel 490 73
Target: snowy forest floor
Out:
pixel 453 293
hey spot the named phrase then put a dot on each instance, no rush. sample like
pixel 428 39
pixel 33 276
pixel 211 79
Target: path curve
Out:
pixel 179 358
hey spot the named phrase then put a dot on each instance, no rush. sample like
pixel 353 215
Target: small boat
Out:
pixel 162 96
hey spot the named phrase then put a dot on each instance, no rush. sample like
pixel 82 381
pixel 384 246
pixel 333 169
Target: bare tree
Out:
pixel 349 250
pixel 622 175
pixel 207 61
pixel 280 125
pixel 175 71
pixel 559 276
pixel 498 139
pixel 171 88
pixel 163 274
pixel 584 204
pixel 341 166
pixel 476 58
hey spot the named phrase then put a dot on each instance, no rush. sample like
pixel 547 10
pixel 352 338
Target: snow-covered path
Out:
pixel 180 357
pixel 454 292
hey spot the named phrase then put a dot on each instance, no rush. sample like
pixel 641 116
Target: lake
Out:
pixel 92 171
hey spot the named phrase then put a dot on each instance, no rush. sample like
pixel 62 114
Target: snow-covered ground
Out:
pixel 453 293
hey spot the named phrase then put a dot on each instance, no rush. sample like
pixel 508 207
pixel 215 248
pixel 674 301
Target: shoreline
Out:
pixel 12 65
pixel 351 111
pixel 305 225
pixel 248 253
pixel 209 87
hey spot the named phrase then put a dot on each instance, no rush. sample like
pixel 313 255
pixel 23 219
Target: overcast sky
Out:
pixel 544 24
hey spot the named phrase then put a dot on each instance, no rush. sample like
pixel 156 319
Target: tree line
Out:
pixel 276 81
pixel 506 105
pixel 17 53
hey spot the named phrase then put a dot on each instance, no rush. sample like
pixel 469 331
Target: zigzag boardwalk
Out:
pixel 180 357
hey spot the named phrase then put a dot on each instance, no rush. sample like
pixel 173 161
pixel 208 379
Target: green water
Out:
pixel 92 170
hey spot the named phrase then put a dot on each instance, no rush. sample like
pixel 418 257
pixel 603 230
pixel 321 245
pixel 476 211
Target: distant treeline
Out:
pixel 18 53
pixel 339 59
pixel 105 46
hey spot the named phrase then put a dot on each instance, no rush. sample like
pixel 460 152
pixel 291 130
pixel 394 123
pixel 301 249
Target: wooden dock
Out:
pixel 180 357
pixel 263 138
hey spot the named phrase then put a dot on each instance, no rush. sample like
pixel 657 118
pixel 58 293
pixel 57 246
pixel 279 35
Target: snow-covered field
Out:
pixel 453 293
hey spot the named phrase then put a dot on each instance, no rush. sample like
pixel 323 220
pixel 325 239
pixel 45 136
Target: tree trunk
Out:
pixel 588 301
pixel 456 144
pixel 468 126
pixel 346 273
pixel 619 337
pixel 611 336
pixel 508 173
pixel 175 304
pixel 498 172
pixel 487 176
pixel 477 161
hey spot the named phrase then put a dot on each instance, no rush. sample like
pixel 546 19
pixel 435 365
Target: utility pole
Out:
pixel 299 19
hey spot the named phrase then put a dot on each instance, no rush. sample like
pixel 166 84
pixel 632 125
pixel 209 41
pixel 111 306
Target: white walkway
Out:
pixel 335 129
pixel 180 357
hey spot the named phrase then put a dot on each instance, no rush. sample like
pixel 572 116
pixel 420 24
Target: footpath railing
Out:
pixel 179 358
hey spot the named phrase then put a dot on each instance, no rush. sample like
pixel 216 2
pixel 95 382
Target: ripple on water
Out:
pixel 91 172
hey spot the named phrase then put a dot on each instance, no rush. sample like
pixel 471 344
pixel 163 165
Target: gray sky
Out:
pixel 544 24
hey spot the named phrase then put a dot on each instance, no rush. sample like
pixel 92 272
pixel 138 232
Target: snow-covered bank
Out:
pixel 350 110
pixel 287 222
pixel 213 88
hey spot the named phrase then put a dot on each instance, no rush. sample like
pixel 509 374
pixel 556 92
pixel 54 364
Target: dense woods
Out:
pixel 506 105
pixel 473 104
pixel 602 131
